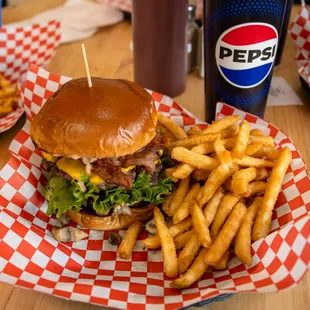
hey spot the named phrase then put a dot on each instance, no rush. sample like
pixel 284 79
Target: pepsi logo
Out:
pixel 245 53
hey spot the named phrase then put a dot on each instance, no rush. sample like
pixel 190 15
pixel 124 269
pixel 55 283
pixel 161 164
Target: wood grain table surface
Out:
pixel 109 56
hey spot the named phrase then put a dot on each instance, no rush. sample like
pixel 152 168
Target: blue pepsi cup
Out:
pixel 241 40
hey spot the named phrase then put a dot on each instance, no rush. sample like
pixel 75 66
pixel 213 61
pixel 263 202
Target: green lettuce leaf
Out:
pixel 66 195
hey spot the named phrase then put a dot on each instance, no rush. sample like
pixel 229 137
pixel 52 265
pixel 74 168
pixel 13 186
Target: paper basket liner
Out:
pixel 300 32
pixel 89 270
pixel 21 46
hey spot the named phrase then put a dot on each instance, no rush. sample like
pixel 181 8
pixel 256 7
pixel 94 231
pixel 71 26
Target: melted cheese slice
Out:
pixel 75 168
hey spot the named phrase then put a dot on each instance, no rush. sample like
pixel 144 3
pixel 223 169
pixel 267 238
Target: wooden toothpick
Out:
pixel 86 66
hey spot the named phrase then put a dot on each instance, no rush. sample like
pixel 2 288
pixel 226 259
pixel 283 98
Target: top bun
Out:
pixel 112 118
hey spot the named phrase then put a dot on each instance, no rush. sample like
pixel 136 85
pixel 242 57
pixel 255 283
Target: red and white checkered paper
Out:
pixel 89 270
pixel 300 32
pixel 21 46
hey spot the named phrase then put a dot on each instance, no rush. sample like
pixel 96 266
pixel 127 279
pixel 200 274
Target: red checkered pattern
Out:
pixel 300 32
pixel 89 270
pixel 126 5
pixel 21 46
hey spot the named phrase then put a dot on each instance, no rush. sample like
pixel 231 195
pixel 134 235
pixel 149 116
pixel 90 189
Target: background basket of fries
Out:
pixel 238 220
pixel 21 46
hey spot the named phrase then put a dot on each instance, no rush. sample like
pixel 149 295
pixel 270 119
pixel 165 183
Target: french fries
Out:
pixel 7 96
pixel 200 175
pixel 221 124
pixel 187 255
pixel 186 205
pixel 255 188
pixel 174 128
pixel 263 220
pixel 200 226
pixel 194 273
pixel 225 208
pixel 194 140
pixel 248 161
pixel 177 198
pixel 194 159
pixel 256 132
pixel 127 245
pixel 167 245
pixel 226 235
pixel 195 130
pixel 212 206
pixel 243 238
pixel 242 140
pixel 222 154
pixel 241 180
pixel 181 240
pixel 230 131
pixel 175 230
pixel 253 148
pixel 236 165
pixel 217 177
pixel 267 151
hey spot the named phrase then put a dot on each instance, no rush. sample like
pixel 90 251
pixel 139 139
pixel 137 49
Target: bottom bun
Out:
pixel 111 222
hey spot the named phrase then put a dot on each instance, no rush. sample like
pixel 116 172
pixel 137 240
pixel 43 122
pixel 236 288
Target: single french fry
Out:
pixel 253 148
pixel 267 151
pixel 175 230
pixel 185 207
pixel 181 240
pixel 183 171
pixel 222 154
pixel 263 220
pixel 195 130
pixel 173 127
pixel 217 177
pixel 222 263
pixel 196 160
pixel 128 243
pixel 226 235
pixel 178 197
pixel 193 141
pixel 221 124
pixel 266 141
pixel 211 207
pixel 241 180
pixel 242 140
pixel 187 255
pixel 261 174
pixel 255 188
pixel 200 226
pixel 243 238
pixel 167 245
pixel 256 132
pixel 230 131
pixel 200 175
pixel 248 161
pixel 194 273
pixel 167 202
pixel 224 210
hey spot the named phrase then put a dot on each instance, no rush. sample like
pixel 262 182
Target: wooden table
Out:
pixel 109 56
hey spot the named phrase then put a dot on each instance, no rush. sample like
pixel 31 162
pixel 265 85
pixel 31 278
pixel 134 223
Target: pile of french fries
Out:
pixel 228 180
pixel 8 98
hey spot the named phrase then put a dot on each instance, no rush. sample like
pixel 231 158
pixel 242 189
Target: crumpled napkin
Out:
pixel 79 19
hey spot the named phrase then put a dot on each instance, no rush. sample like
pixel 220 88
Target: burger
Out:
pixel 104 153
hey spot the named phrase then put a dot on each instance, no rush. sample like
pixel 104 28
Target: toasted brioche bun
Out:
pixel 111 222
pixel 112 118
